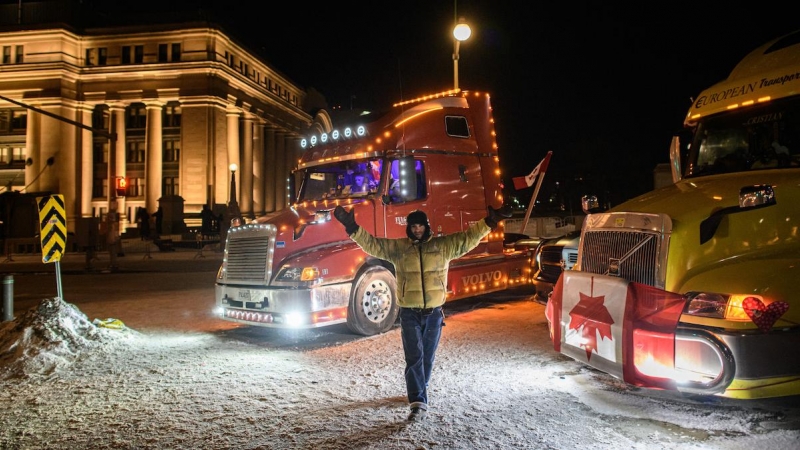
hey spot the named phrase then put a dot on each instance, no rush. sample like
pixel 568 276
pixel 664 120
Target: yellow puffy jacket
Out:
pixel 422 268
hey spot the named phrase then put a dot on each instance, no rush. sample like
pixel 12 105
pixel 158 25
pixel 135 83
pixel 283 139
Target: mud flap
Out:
pixel 624 329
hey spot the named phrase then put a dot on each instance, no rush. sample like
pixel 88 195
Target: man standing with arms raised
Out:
pixel 421 261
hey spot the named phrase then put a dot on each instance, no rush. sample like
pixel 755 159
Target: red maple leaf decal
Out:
pixel 591 314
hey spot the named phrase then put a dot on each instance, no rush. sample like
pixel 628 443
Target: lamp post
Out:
pixel 231 212
pixel 461 32
pixel 233 205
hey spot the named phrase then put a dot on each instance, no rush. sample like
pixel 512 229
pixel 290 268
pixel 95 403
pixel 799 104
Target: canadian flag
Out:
pixel 527 180
pixel 623 328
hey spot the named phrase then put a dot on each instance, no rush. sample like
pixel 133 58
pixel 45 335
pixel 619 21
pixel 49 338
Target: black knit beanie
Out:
pixel 418 217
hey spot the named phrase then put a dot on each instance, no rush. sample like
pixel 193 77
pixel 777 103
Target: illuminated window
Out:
pixel 100 117
pixel 172 115
pixel 100 152
pixel 138 54
pixel 171 186
pixel 136 187
pixel 13 121
pixel 135 152
pixel 136 116
pixel 172 151
pixel 100 187
pixel 19 120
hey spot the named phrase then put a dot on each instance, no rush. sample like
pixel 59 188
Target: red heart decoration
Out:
pixel 762 315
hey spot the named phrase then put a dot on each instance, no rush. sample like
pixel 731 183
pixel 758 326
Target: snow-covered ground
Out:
pixel 173 376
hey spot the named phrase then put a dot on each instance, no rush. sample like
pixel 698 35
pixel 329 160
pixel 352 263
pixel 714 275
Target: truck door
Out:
pixel 395 207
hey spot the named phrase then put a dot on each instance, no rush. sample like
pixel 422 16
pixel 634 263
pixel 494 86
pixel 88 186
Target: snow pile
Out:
pixel 52 336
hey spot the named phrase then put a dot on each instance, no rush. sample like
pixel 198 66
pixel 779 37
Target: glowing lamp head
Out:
pixel 462 31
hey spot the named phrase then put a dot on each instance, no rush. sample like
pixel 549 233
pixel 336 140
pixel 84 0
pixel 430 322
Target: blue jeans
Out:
pixel 421 332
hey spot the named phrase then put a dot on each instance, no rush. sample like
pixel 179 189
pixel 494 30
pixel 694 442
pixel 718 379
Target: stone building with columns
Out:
pixel 169 107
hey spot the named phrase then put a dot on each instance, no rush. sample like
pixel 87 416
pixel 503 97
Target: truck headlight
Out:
pixel 715 305
pixel 309 274
pixel 298 274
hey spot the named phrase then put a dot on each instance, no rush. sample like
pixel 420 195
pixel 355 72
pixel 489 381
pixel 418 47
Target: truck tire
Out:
pixel 373 307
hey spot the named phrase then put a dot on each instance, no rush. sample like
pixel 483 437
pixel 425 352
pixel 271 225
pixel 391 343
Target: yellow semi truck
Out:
pixel 695 286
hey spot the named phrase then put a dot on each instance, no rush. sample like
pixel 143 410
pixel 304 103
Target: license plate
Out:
pixel 243 295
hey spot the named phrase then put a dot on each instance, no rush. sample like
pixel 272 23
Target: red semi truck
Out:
pixel 299 269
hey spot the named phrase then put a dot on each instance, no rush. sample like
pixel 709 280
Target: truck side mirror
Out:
pixel 590 204
pixel 408 178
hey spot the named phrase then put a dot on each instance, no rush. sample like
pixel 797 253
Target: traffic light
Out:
pixel 122 186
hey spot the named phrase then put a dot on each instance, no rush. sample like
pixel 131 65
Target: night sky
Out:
pixel 602 84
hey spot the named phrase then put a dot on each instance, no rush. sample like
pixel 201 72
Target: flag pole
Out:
pixel 530 206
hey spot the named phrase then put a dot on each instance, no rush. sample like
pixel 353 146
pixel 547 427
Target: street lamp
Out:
pixel 233 205
pixel 232 211
pixel 461 32
pixel 233 168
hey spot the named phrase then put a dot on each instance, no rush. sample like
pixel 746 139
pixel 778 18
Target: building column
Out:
pixel 280 171
pixel 247 168
pixel 33 149
pixel 270 159
pixel 155 155
pixel 233 150
pixel 117 112
pixel 51 136
pixel 87 162
pixel 258 169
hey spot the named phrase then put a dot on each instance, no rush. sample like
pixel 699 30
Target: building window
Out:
pixel 136 187
pixel 7 54
pixel 20 54
pixel 99 187
pixel 13 121
pixel 89 56
pixel 100 118
pixel 162 53
pixel 176 52
pixel 102 56
pixel 135 153
pixel 172 151
pixel 172 115
pixel 100 153
pixel 10 155
pixel 171 186
pixel 136 117
pixel 138 54
pixel 19 120
pixel 126 54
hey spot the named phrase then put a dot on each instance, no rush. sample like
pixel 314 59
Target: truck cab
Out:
pixel 692 286
pixel 299 269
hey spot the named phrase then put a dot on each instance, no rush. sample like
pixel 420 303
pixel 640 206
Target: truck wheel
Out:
pixel 373 307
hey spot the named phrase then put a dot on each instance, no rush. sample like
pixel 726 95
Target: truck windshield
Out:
pixel 345 179
pixel 766 137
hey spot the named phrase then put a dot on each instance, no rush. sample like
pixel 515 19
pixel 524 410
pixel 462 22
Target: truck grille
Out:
pixel 633 252
pixel 249 256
